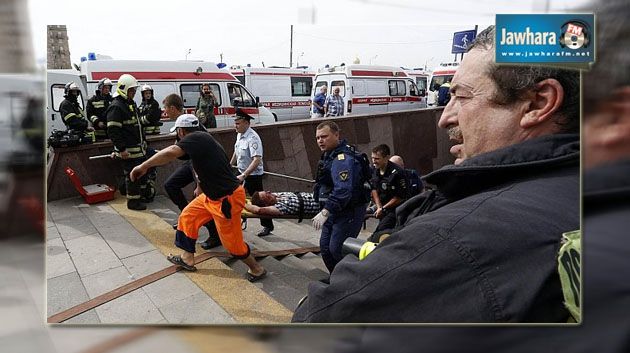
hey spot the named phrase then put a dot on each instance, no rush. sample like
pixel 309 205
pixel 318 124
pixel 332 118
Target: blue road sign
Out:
pixel 461 40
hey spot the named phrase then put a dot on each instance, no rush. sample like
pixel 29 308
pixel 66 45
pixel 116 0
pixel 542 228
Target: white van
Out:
pixel 421 78
pixel 165 77
pixel 369 89
pixel 440 75
pixel 285 92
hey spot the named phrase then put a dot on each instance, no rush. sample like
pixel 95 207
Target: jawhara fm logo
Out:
pixel 574 35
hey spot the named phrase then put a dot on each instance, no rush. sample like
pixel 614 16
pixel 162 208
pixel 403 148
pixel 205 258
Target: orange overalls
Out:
pixel 201 210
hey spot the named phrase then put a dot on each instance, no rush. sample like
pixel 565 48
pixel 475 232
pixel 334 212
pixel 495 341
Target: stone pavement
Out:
pixel 92 249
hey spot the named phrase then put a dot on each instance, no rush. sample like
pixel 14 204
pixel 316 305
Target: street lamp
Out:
pixel 372 58
pixel 297 63
pixel 187 54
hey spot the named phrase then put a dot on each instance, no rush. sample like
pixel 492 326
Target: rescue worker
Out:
pixel 97 106
pixel 444 94
pixel 125 131
pixel 389 188
pixel 414 182
pixel 340 190
pixel 220 197
pixel 184 174
pixel 71 113
pixel 248 156
pixel 149 111
pixel 205 107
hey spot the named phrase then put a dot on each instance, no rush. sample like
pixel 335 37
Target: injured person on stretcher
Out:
pixel 281 205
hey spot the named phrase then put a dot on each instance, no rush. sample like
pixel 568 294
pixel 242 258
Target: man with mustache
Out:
pixel 483 247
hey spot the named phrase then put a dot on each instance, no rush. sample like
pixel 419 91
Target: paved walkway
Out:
pixel 92 249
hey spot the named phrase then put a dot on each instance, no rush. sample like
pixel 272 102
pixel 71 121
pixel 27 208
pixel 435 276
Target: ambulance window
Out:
pixel 397 88
pixel 341 85
pixel 421 82
pixel 319 84
pixel 161 90
pixel 437 81
pixel 301 86
pixel 190 93
pixel 57 96
pixel 239 96
pixel 413 89
pixel 358 87
pixel 376 88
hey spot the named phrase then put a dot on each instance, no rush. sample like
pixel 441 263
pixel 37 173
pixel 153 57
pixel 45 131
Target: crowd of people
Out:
pixel 480 245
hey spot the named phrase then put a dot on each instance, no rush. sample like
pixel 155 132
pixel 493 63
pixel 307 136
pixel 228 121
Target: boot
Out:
pixel 135 204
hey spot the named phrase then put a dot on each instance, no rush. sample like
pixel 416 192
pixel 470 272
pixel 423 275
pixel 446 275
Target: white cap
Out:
pixel 186 120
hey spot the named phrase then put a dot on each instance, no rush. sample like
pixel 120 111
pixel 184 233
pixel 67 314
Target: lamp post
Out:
pixel 187 54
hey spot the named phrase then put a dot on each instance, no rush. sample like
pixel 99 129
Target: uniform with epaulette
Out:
pixel 125 131
pixel 389 184
pixel 341 191
pixel 97 107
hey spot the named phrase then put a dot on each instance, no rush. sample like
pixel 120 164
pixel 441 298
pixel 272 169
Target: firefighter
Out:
pixel 149 111
pixel 125 131
pixel 71 113
pixel 97 106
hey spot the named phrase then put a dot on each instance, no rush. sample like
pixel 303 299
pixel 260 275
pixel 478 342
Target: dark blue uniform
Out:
pixel 340 190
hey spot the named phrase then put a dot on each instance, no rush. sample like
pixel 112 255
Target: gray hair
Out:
pixel 513 81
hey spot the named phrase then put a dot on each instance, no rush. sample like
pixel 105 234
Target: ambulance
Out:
pixel 165 77
pixel 421 78
pixel 370 89
pixel 441 74
pixel 286 92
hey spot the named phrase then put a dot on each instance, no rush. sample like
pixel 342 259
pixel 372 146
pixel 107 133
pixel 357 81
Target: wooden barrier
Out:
pixel 289 148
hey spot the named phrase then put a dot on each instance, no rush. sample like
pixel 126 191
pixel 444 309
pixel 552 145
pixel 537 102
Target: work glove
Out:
pixel 320 219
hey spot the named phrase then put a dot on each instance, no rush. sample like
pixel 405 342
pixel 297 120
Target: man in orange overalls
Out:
pixel 219 195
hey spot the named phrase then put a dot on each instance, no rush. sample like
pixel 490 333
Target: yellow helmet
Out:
pixel 125 82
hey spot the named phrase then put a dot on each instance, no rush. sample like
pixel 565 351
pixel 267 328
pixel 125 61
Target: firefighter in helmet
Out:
pixel 149 111
pixel 97 106
pixel 124 129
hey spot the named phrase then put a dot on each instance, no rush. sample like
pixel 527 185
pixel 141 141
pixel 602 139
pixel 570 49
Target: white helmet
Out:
pixel 70 86
pixel 125 82
pixel 104 82
pixel 146 87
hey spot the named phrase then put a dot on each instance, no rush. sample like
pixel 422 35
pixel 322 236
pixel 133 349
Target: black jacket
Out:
pixel 97 107
pixel 150 112
pixel 72 115
pixel 486 251
pixel 123 127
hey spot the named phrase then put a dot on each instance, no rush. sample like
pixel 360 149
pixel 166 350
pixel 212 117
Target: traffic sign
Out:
pixel 461 40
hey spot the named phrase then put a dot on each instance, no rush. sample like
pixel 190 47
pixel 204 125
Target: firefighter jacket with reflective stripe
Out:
pixel 72 115
pixel 123 127
pixel 97 107
pixel 150 113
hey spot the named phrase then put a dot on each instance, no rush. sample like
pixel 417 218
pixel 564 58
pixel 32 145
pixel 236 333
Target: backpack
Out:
pixel 364 167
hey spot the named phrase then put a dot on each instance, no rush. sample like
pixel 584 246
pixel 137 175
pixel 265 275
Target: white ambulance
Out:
pixel 444 72
pixel 165 77
pixel 421 78
pixel 369 89
pixel 285 92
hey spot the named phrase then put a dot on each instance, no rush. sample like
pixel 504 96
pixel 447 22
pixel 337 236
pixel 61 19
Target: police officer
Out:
pixel 340 190
pixel 149 111
pixel 248 154
pixel 71 113
pixel 97 106
pixel 124 129
pixel 414 182
pixel 389 188
pixel 205 107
